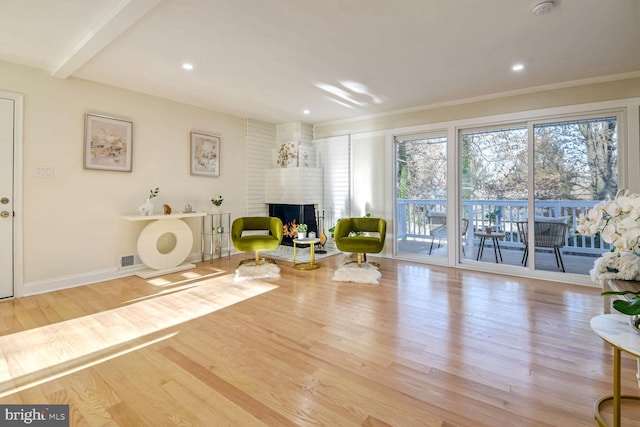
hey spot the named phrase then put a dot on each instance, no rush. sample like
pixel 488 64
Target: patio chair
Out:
pixel 464 227
pixel 548 233
pixel 437 228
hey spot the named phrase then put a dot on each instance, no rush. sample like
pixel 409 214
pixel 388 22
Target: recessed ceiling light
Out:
pixel 518 67
pixel 187 66
pixel 306 112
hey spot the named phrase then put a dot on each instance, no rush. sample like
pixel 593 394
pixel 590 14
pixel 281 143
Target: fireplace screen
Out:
pixel 291 216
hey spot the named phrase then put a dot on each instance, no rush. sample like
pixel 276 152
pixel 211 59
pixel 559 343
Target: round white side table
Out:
pixel 615 330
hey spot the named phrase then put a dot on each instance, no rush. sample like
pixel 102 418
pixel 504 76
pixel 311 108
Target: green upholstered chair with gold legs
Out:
pixel 361 236
pixel 256 234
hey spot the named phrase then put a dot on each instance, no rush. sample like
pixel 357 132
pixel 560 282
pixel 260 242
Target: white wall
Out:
pixel 73 233
pixel 261 139
pixel 369 175
pixel 335 159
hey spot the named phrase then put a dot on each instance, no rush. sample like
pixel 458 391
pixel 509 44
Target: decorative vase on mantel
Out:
pixel 146 208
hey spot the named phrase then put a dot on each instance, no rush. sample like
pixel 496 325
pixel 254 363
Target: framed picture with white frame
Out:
pixel 205 154
pixel 108 143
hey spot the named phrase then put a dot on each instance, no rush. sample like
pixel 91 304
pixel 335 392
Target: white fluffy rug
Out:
pixel 352 273
pixel 250 271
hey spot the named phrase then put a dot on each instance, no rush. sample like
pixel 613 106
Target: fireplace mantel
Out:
pixel 294 186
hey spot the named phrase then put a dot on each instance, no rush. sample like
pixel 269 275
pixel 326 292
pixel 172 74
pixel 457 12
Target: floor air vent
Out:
pixel 127 261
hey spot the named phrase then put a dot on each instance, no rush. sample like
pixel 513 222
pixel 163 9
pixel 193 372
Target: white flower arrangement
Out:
pixel 618 222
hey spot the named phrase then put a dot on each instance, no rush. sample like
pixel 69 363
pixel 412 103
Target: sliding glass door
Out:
pixel 494 192
pixel 421 194
pixel 575 167
pixel 523 188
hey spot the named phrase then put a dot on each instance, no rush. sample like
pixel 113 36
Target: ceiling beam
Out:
pixel 114 23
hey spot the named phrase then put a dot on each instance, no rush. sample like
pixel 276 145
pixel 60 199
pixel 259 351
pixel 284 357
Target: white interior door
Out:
pixel 7 132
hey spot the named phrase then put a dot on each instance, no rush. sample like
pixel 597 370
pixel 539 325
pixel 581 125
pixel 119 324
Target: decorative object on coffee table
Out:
pixel 302 231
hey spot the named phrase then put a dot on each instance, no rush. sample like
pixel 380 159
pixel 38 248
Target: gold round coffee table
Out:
pixel 311 265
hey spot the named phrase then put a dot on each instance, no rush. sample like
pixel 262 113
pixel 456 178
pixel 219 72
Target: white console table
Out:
pixel 162 229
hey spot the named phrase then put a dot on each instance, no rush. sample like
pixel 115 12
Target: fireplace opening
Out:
pixel 292 215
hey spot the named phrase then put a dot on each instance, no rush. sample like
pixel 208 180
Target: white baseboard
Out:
pixel 66 282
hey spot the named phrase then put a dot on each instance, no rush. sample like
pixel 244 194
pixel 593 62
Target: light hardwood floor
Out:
pixel 429 346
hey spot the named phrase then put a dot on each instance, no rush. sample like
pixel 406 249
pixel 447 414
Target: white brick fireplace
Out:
pixel 293 194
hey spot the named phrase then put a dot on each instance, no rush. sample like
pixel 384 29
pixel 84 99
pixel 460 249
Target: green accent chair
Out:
pixel 353 235
pixel 255 241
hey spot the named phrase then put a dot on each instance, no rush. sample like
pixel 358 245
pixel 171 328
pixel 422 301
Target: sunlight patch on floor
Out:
pixel 189 276
pixel 39 354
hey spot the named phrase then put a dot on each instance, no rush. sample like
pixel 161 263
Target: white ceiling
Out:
pixel 271 59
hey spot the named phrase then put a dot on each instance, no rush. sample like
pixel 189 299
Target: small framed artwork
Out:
pixel 205 154
pixel 108 143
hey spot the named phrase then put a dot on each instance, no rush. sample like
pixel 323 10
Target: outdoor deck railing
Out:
pixel 413 221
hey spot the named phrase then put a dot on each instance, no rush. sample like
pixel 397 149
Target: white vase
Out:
pixel 302 234
pixel 146 208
